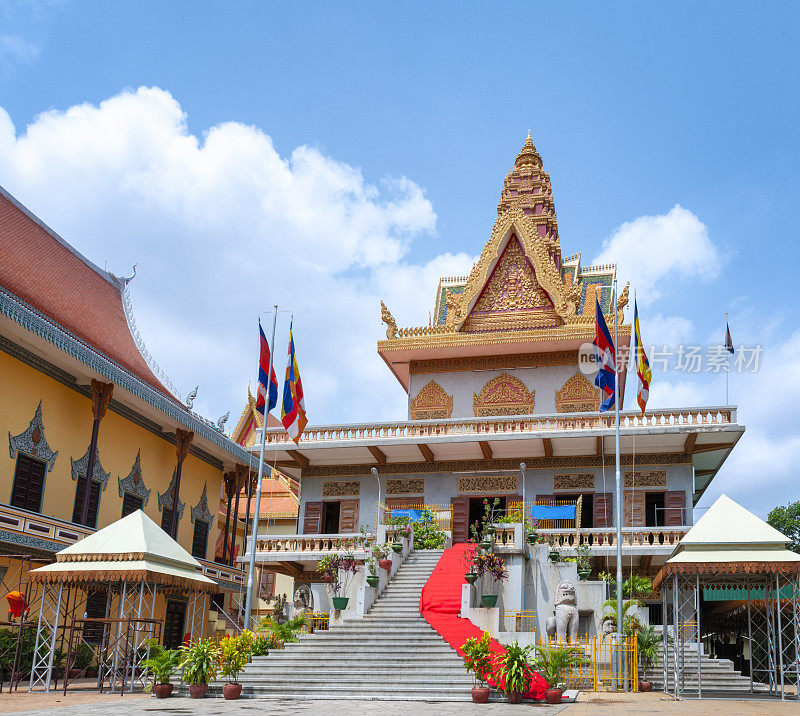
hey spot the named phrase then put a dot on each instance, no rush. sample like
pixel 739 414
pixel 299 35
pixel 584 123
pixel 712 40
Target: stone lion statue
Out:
pixel 564 625
pixel 303 599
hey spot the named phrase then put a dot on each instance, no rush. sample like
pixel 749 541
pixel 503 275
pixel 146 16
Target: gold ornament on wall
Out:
pixel 646 478
pixel 341 489
pixel 496 483
pixel 431 403
pixel 412 486
pixel 577 395
pixel 503 395
pixel 574 481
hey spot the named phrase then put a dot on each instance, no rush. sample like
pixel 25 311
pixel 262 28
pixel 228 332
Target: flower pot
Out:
pixel 373 581
pixel 397 547
pixel 340 603
pixel 490 529
pixel 486 543
pixel 584 574
pixel 645 686
pixel 385 564
pixel 231 691
pixel 197 691
pixel 480 694
pixel 488 600
pixel 533 539
pixel 554 555
pixel 162 691
pixel 514 697
pixel 553 696
pixel 470 577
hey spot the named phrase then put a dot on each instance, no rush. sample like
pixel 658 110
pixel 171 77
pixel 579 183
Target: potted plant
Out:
pixel 340 568
pixel 468 560
pixel 199 663
pixel 478 661
pixel 515 672
pixel 160 667
pixel 493 567
pixel 555 554
pixel 372 568
pixel 648 641
pixel 380 552
pixel 233 657
pixel 531 533
pixel 583 560
pixel 81 660
pixel 552 663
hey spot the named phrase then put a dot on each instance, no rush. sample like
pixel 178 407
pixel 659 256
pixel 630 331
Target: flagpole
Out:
pixel 251 573
pixel 617 479
pixel 727 402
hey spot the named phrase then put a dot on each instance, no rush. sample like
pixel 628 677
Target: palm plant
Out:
pixel 162 664
pixel 515 672
pixel 630 619
pixel 554 662
pixel 648 640
pixel 199 661
pixel 286 632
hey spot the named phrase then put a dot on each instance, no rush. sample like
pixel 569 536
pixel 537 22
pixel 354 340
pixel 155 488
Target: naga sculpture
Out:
pixel 564 625
pixel 391 324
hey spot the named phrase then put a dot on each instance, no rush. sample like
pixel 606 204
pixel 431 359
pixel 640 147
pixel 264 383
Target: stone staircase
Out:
pixel 390 654
pixel 716 674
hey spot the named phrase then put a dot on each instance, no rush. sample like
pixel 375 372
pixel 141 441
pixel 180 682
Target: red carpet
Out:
pixel 440 604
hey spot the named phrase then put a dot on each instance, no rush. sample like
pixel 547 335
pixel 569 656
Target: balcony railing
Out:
pixel 607 536
pixel 299 544
pixel 504 425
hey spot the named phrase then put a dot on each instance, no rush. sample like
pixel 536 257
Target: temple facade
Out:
pixel 499 408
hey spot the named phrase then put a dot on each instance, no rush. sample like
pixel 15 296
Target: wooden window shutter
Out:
pixel 348 516
pixel 94 501
pixel 603 509
pixel 312 518
pixel 131 503
pixel 674 508
pixel 200 539
pixel 634 508
pixel 28 483
pixel 460 519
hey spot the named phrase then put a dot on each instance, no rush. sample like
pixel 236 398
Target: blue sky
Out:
pixel 326 155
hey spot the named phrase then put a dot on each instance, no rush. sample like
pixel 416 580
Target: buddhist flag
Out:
pixel 263 370
pixel 642 364
pixel 605 359
pixel 728 339
pixel 293 411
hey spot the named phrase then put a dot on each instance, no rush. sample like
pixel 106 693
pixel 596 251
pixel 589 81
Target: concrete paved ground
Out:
pixel 604 704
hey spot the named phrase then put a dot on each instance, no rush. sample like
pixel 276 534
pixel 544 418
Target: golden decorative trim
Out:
pixel 431 403
pixel 412 486
pixel 341 489
pixel 646 478
pixel 574 481
pixel 532 463
pixel 501 362
pixel 495 483
pixel 388 319
pixel 503 395
pixel 128 575
pixel 577 395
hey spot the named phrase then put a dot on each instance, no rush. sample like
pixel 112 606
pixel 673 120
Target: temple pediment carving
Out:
pixel 577 395
pixel 431 403
pixel 503 395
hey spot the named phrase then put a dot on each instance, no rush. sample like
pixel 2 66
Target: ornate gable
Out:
pixel 134 483
pixel 431 403
pixel 512 298
pixel 577 395
pixel 503 395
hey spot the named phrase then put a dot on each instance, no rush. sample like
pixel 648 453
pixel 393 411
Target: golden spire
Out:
pixel 528 155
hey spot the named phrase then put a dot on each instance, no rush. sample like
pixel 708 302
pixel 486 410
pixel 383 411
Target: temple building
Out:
pixel 81 395
pixel 499 408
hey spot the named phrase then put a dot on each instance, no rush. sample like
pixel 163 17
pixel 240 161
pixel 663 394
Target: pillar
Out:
pixel 101 397
pixel 183 440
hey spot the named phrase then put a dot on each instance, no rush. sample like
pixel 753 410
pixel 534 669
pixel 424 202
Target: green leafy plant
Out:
pixel 514 670
pixel 786 519
pixel 492 565
pixel 264 642
pixel 554 662
pixel 478 657
pixel 372 565
pixel 245 641
pixel 427 534
pixel 512 517
pixel 199 661
pixel 648 643
pixel 380 551
pixel 630 620
pixel 162 664
pixel 480 529
pixel 233 656
pixel 531 530
pixel 583 558
pixel 285 633
pixel 468 557
pixel 634 587
pixel 82 657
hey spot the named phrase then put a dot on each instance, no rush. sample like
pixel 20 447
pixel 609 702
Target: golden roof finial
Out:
pixel 528 155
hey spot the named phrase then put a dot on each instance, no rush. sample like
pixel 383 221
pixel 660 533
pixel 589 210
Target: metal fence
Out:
pixel 602 664
pixel 518 621
pixel 526 507
pixel 442 513
pixel 316 621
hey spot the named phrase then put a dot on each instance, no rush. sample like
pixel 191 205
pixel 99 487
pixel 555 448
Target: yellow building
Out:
pixel 81 395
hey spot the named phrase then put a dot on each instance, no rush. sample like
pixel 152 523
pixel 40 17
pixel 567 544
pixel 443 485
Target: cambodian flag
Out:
pixel 293 411
pixel 263 368
pixel 605 358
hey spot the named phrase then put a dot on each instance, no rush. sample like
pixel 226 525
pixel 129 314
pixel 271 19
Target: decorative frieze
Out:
pixel 574 481
pixel 431 403
pixel 80 466
pixel 200 511
pixel 503 395
pixel 412 486
pixel 493 483
pixel 646 478
pixel 499 362
pixel 341 489
pixel 134 483
pixel 577 395
pixel 33 442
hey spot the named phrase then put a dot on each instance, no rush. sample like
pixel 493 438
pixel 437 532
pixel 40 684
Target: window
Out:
pixel 94 501
pixel 95 607
pixel 28 483
pixel 166 520
pixel 200 539
pixel 131 503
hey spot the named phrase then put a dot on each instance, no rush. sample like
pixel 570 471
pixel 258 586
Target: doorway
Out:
pixel 587 507
pixel 330 518
pixel 174 621
pixel 477 509
pixel 654 509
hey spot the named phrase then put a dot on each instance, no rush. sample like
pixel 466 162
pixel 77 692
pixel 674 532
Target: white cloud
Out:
pixel 652 249
pixel 16 50
pixel 222 227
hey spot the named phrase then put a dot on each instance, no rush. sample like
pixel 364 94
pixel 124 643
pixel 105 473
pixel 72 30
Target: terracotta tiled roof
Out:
pixel 46 272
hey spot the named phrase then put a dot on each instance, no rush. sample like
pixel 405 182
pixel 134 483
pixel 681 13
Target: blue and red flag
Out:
pixel 605 358
pixel 293 410
pixel 263 369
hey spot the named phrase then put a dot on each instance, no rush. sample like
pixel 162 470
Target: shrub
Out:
pixel 162 664
pixel 477 657
pixel 427 534
pixel 515 672
pixel 199 661
pixel 284 632
pixel 232 657
pixel 552 662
